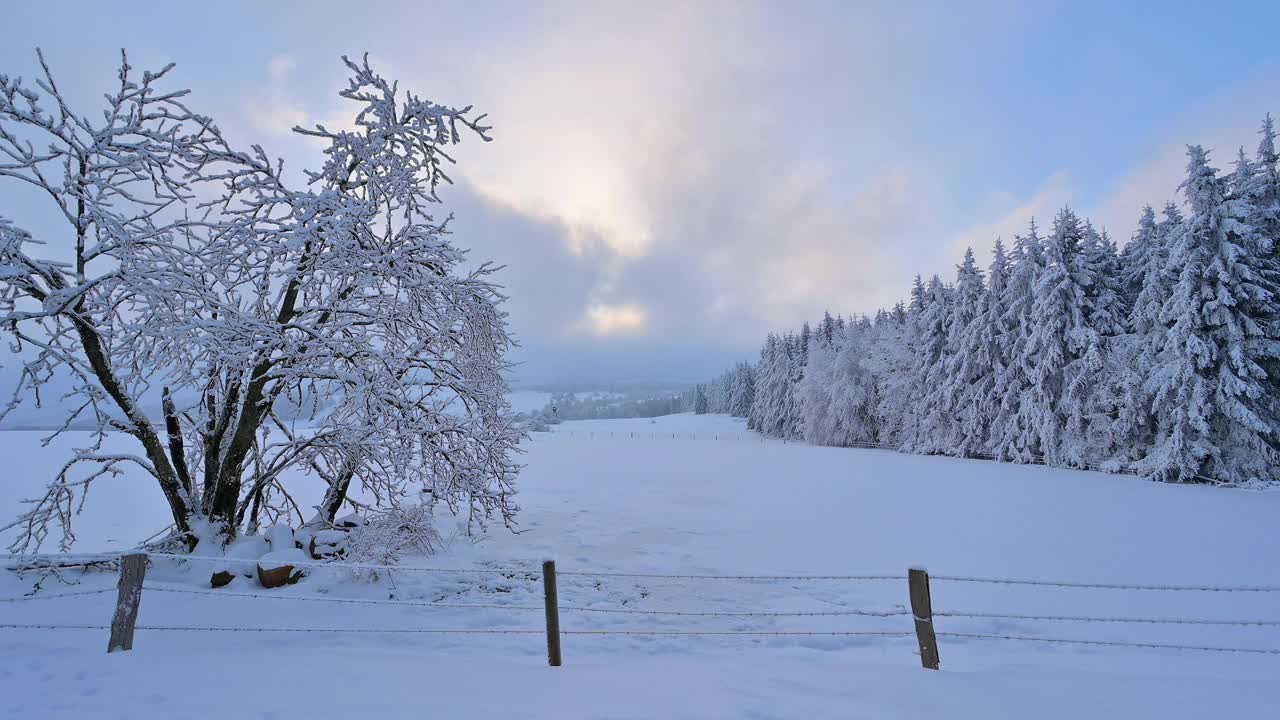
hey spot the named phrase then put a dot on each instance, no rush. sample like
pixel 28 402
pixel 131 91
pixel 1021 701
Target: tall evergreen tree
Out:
pixel 1093 397
pixel 1137 254
pixel 978 359
pixel 899 313
pixel 960 370
pixel 1263 194
pixel 828 328
pixel 756 418
pixel 1015 433
pixel 700 400
pixel 742 391
pixel 919 297
pixel 929 422
pixel 1209 382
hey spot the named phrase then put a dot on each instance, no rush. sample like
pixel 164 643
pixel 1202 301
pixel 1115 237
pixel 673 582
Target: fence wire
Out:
pixel 466 631
pixel 1077 618
pixel 534 608
pixel 55 596
pixel 1108 586
pixel 535 572
pixel 1113 643
pixel 659 576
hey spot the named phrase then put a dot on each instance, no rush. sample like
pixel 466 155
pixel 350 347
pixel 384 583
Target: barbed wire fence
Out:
pixel 133 568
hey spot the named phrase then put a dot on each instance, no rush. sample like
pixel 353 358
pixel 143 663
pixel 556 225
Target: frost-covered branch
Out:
pixel 190 270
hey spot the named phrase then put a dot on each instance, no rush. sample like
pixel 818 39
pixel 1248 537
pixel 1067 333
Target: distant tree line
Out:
pixel 613 406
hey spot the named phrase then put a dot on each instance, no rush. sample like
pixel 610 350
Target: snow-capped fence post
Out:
pixel 133 568
pixel 553 612
pixel 922 611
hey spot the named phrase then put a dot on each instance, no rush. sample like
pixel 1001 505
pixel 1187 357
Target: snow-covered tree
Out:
pixel 1209 382
pixel 1058 333
pixel 742 391
pixel 700 400
pixel 1093 394
pixel 1137 256
pixel 959 370
pixel 818 424
pixel 838 393
pixel 928 424
pixel 190 275
pixel 899 313
pixel 1015 433
pixel 978 355
pixel 853 390
pixel 919 296
pixel 1262 194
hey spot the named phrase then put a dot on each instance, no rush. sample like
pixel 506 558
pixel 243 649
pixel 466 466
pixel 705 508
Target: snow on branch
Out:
pixel 199 304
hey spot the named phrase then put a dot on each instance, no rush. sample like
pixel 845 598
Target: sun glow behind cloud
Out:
pixel 624 319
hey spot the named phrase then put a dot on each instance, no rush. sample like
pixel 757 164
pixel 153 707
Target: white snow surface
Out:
pixel 693 495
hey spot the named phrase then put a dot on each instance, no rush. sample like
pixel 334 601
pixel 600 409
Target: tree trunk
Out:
pixel 337 494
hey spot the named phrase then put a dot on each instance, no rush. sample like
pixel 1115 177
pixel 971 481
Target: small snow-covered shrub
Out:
pixel 386 535
pixel 327 544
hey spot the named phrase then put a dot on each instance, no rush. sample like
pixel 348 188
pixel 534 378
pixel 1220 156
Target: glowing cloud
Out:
pixel 625 319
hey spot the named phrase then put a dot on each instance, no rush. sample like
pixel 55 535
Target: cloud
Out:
pixel 591 127
pixel 679 186
pixel 623 319
pixel 273 112
pixel 692 176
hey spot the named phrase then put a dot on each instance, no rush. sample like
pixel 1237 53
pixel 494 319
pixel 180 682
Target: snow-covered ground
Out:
pixel 694 496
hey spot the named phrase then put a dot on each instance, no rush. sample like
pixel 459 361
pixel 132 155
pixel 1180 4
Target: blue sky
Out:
pixel 668 182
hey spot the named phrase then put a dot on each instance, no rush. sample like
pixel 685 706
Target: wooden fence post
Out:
pixel 133 568
pixel 553 612
pixel 922 610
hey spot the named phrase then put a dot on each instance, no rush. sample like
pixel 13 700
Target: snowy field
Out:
pixel 693 495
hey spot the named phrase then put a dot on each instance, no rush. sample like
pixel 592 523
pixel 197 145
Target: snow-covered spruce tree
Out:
pixel 796 354
pixel 919 295
pixel 1157 277
pixel 1058 333
pixel 852 393
pixel 1095 393
pixel 899 313
pixel 827 329
pixel 1131 354
pixel 1209 382
pixel 192 277
pixel 960 371
pixel 817 423
pixel 742 392
pixel 1262 193
pixel 928 423
pixel 978 358
pixel 890 357
pixel 838 392
pixel 1015 432
pixel 761 394
pixel 1137 255
pixel 700 400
